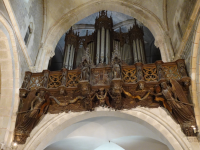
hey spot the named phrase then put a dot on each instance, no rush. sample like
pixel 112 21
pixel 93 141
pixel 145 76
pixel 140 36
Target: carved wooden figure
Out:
pixel 96 87
pixel 35 106
pixel 176 99
pixel 103 98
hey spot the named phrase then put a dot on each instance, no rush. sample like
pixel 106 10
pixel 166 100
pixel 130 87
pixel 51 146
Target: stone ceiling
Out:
pixel 106 133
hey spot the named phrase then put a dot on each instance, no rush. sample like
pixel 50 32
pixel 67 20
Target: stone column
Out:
pixel 102 43
pixel 98 46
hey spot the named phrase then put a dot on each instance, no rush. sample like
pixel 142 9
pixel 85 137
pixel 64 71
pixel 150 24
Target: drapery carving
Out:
pixel 125 87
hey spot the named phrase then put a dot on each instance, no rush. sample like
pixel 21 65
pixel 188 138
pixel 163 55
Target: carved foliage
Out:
pixel 36 82
pixel 73 79
pixel 100 76
pixel 150 74
pixel 54 81
pixel 129 75
pixel 171 72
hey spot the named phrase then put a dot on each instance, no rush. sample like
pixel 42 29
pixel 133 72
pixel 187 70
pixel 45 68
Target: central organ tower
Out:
pixel 103 40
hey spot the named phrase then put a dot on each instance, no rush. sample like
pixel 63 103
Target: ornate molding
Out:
pixel 116 86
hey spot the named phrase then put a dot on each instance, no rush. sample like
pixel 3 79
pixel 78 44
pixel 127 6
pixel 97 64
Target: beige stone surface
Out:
pixel 162 125
pixel 16 58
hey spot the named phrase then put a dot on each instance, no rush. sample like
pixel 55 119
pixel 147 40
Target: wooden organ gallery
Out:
pixel 102 41
pixel 104 79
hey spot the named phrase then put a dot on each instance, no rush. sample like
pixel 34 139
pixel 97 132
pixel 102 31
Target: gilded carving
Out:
pixel 67 92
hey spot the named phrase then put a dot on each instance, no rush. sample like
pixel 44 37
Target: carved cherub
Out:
pixel 103 98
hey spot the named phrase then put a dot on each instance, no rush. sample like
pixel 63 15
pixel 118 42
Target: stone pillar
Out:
pixel 98 46
pixel 102 43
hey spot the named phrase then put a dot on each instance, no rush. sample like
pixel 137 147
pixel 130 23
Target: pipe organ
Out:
pixel 102 41
pixel 71 46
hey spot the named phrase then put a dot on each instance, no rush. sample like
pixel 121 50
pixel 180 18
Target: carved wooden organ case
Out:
pixel 102 41
pixel 117 85
pixel 105 81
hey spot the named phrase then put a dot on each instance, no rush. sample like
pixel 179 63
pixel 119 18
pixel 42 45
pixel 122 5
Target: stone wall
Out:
pixel 178 17
pixel 187 52
pixel 30 12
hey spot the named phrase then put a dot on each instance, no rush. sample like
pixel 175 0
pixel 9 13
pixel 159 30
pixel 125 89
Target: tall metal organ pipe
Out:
pixel 98 46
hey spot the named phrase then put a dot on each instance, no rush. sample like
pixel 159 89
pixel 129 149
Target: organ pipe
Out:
pixel 135 52
pixel 98 46
pixel 142 52
pixel 138 50
pixel 102 43
pixel 107 45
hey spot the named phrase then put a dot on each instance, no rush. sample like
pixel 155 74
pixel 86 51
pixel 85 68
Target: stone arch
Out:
pixel 195 71
pixel 156 120
pixel 9 81
pixel 145 16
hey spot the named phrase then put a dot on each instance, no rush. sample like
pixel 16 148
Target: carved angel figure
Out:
pixel 32 115
pixel 181 110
